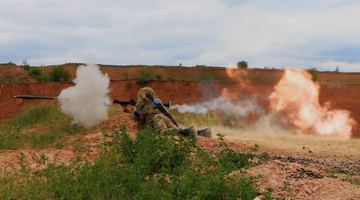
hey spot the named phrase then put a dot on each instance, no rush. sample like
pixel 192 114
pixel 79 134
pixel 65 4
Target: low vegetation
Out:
pixel 242 64
pixel 36 127
pixel 314 73
pixel 37 74
pixel 188 119
pixel 25 65
pixel 152 166
pixel 57 74
pixel 144 77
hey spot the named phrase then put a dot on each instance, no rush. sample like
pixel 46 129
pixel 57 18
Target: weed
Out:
pixel 42 160
pixel 35 127
pixel 255 148
pixel 264 157
pixel 314 73
pixel 268 193
pixel 194 119
pixel 230 160
pixel 330 173
pixel 158 77
pixel 59 74
pixel 152 166
pixel 8 79
pixel 25 65
pixel 353 180
pixel 37 74
pixel 144 77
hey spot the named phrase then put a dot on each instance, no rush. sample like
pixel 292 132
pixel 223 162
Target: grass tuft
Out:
pixel 194 119
pixel 39 127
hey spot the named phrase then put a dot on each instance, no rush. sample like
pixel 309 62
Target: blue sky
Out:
pixel 274 33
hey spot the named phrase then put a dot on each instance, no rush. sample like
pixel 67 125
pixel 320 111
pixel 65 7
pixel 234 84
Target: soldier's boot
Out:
pixel 187 131
pixel 206 132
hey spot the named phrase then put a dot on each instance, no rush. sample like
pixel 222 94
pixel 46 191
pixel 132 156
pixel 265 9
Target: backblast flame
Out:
pixel 296 98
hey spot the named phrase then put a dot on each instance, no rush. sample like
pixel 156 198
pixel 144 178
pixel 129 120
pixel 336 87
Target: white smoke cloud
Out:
pixel 87 101
pixel 238 108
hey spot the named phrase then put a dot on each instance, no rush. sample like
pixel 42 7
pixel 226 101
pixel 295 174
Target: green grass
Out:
pixel 152 166
pixel 187 119
pixel 353 179
pixel 40 126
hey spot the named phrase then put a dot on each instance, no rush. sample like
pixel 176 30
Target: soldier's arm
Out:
pixel 144 107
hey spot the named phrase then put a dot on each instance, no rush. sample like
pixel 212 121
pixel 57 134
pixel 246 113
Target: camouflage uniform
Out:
pixel 149 114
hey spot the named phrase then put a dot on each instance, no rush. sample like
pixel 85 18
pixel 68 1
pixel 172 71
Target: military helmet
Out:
pixel 144 91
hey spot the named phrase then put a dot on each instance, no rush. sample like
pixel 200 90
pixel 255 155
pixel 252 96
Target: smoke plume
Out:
pixel 296 98
pixel 87 101
pixel 238 108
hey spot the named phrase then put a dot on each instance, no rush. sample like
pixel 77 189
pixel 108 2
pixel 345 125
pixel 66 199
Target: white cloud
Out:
pixel 211 32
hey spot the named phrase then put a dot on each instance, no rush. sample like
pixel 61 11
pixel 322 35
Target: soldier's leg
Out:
pixel 159 123
pixel 182 131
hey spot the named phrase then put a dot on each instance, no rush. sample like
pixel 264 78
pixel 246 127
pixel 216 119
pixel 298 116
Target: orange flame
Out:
pixel 242 84
pixel 296 97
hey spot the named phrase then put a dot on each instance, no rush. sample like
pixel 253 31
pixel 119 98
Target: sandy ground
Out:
pixel 301 166
pixel 293 143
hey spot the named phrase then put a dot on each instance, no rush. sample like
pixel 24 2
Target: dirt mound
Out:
pixel 90 145
pixel 10 73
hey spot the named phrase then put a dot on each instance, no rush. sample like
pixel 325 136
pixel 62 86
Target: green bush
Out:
pixel 59 74
pixel 25 65
pixel 158 77
pixel 242 64
pixel 153 166
pixel 314 73
pixel 144 77
pixel 37 74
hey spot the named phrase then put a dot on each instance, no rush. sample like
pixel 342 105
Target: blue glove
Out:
pixel 156 102
pixel 136 115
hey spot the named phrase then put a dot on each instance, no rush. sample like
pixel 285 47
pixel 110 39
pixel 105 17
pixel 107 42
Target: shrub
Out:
pixel 268 193
pixel 314 74
pixel 229 160
pixel 152 166
pixel 25 65
pixel 242 64
pixel 158 77
pixel 200 65
pixel 144 77
pixel 37 74
pixel 59 74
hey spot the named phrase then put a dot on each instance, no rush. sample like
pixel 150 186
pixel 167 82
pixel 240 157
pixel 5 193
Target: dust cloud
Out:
pixel 87 102
pixel 238 108
pixel 296 98
pixel 294 107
